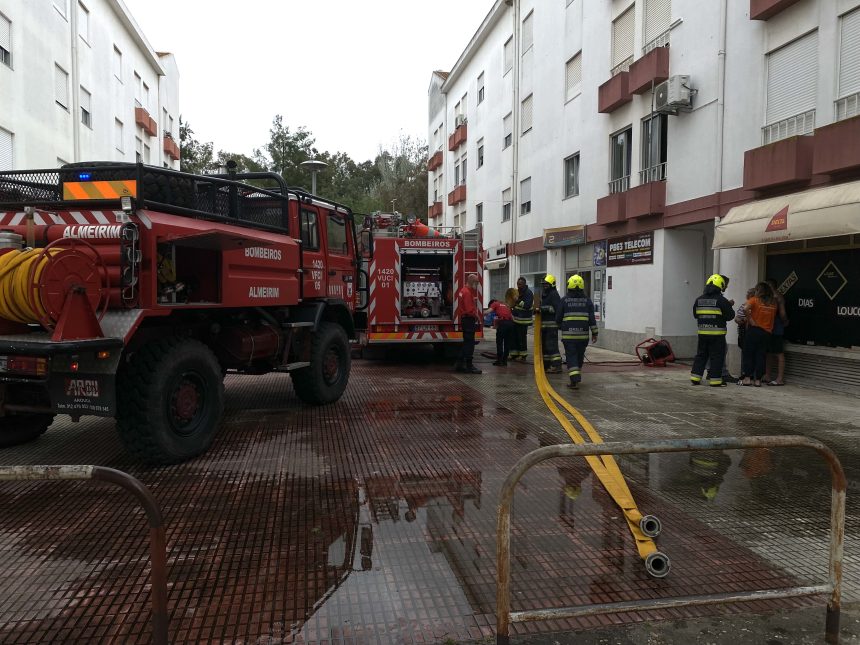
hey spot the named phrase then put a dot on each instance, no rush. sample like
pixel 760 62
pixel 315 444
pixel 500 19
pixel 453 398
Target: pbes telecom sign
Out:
pixel 630 249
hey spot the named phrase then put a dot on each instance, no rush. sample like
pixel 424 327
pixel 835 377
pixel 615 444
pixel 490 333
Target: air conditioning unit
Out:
pixel 459 120
pixel 673 95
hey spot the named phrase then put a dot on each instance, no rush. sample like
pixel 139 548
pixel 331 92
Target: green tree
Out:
pixel 195 157
pixel 403 177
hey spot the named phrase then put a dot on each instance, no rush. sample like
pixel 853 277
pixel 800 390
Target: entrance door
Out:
pixel 340 257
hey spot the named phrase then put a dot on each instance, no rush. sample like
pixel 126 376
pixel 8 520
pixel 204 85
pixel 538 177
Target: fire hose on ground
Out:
pixel 643 527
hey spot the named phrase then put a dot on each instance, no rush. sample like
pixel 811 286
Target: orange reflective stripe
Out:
pixel 82 190
pixel 73 191
pixel 105 189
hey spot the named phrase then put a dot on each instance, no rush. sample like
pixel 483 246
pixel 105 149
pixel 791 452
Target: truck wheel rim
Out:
pixel 187 403
pixel 331 366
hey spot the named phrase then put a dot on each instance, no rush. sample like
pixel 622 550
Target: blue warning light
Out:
pixel 85 176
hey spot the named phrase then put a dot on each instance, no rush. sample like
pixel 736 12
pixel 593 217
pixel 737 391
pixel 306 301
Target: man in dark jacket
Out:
pixel 712 311
pixel 550 302
pixel 522 312
pixel 575 317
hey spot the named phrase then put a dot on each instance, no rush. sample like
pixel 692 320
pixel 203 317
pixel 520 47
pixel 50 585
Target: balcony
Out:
pixel 765 9
pixel 612 209
pixel 457 195
pixel 171 148
pixel 648 71
pixel 141 117
pixel 613 93
pixel 434 210
pixel 457 138
pixel 649 197
pixel 835 147
pixel 785 162
pixel 435 161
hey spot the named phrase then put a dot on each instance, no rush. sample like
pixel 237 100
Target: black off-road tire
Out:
pixel 170 401
pixel 23 428
pixel 157 186
pixel 328 374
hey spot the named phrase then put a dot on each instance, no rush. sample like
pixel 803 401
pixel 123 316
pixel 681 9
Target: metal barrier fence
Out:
pixel 504 615
pixel 158 547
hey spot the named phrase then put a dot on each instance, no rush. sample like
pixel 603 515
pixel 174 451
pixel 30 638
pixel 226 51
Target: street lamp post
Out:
pixel 392 205
pixel 314 166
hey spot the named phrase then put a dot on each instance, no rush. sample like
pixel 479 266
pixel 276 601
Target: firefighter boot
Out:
pixel 471 369
pixel 459 367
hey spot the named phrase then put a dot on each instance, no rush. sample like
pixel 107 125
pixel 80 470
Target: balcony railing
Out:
pixel 619 185
pixel 623 66
pixel 654 173
pixel 792 126
pixel 847 106
pixel 660 41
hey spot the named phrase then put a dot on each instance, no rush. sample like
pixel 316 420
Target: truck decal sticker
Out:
pixel 264 292
pixel 93 232
pixel 78 387
pixel 263 253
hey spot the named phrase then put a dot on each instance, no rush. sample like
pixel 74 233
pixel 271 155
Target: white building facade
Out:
pixel 80 82
pixel 556 133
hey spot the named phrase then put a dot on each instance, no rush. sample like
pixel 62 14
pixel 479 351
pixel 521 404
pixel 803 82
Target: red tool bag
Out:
pixel 655 353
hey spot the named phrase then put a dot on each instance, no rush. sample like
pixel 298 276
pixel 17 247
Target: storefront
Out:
pixel 498 273
pixel 533 269
pixel 810 243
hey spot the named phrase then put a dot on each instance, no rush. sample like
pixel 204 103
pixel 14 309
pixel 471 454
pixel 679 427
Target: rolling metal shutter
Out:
pixel 792 72
pixel 527 114
pixel 573 76
pixel 822 372
pixel 622 37
pixel 5 34
pixel 528 31
pixel 658 17
pixel 5 150
pixel 849 54
pixel 61 86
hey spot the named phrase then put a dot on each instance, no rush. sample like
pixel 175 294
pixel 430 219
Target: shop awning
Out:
pixel 822 212
pixel 494 265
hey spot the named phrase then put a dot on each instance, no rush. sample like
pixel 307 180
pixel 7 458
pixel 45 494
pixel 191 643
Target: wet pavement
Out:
pixel 373 520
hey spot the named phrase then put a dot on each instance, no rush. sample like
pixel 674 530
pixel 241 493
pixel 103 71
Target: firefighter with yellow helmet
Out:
pixel 550 302
pixel 576 319
pixel 712 311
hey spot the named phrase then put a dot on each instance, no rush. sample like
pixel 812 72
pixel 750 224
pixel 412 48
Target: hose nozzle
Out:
pixel 650 526
pixel 657 565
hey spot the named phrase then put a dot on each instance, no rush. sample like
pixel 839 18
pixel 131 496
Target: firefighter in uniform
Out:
pixel 522 312
pixel 712 311
pixel 550 302
pixel 576 319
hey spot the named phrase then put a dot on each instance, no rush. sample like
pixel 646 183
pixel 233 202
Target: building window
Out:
pixel 509 56
pixel 571 176
pixel 792 73
pixel 146 154
pixel 170 124
pixel 528 32
pixel 61 87
pixel 86 108
pixel 654 136
pixel 83 22
pixel 5 41
pixel 508 125
pixel 526 113
pixel 435 189
pixel 7 161
pixel 463 166
pixel 479 213
pixel 117 63
pixel 526 196
pixel 848 104
pixel 658 17
pixel 506 205
pixel 622 41
pixel 573 77
pixel 480 153
pixel 118 135
pixel 62 7
pixel 456 173
pixel 138 149
pixel 480 88
pixel 145 99
pixel 137 85
pixel 619 161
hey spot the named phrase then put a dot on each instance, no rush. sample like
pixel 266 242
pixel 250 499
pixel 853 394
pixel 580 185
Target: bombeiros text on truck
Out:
pixel 130 291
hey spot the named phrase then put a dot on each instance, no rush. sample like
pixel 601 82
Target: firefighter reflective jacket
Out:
pixel 712 311
pixel 550 302
pixel 575 316
pixel 523 309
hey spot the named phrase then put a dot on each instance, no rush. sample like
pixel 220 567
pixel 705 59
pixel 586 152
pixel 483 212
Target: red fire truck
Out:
pixel 129 291
pixel 413 273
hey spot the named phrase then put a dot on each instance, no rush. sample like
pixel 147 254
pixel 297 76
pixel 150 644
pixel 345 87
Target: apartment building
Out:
pixel 80 82
pixel 648 143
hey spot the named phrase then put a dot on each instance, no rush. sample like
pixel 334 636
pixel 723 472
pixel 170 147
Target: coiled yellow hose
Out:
pixel 18 302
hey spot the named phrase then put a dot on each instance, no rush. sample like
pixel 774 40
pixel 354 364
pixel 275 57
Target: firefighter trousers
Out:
pixel 549 343
pixel 712 352
pixel 519 347
pixel 574 351
pixel 469 325
pixel 504 339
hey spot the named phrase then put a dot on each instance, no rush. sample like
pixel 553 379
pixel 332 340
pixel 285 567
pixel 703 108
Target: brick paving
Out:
pixel 373 520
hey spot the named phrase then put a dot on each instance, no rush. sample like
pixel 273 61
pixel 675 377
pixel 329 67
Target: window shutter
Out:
pixel 86 100
pixel 61 86
pixel 527 114
pixel 117 63
pixel 849 54
pixel 5 150
pixel 526 190
pixel 573 76
pixel 658 17
pixel 792 71
pixel 622 37
pixel 528 31
pixel 118 135
pixel 507 125
pixel 5 34
pixel 509 55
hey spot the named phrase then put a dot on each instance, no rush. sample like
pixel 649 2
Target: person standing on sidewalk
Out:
pixel 575 317
pixel 775 359
pixel 504 324
pixel 550 302
pixel 712 311
pixel 470 316
pixel 522 312
pixel 761 311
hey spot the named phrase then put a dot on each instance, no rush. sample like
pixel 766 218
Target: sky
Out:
pixel 355 73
